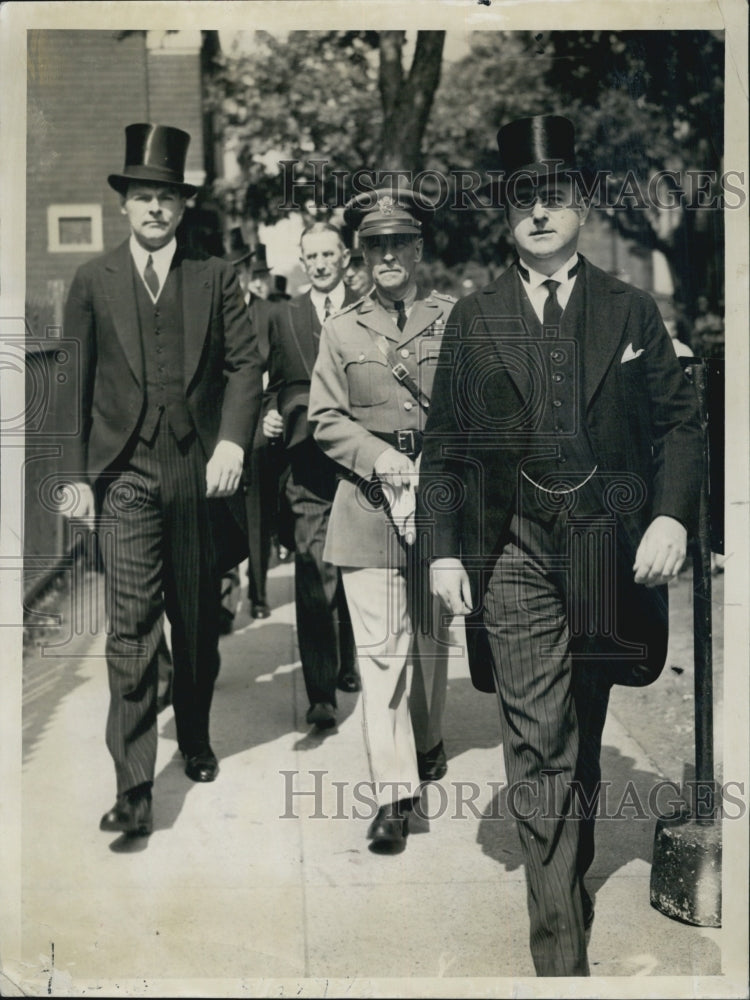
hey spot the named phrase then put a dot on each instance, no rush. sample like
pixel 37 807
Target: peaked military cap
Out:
pixel 388 210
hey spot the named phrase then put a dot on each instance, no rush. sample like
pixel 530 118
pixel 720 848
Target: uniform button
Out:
pixel 408 405
pixel 557 377
pixel 361 357
pixel 557 402
pixel 404 353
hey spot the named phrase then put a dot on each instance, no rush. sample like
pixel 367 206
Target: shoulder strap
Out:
pixel 401 373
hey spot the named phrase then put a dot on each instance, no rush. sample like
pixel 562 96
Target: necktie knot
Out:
pixel 150 276
pixel 400 313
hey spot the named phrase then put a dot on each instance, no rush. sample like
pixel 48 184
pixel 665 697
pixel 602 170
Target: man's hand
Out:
pixel 661 553
pixel 224 469
pixel 83 500
pixel 394 468
pixel 273 425
pixel 450 582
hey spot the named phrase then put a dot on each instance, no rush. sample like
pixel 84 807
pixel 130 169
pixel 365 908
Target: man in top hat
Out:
pixel 170 391
pixel 265 461
pixel 369 398
pixel 357 274
pixel 323 628
pixel 571 437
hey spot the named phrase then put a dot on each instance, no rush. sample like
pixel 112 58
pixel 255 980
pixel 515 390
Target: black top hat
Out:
pixel 154 153
pixel 537 145
pixel 259 264
pixel 238 251
pixel 388 210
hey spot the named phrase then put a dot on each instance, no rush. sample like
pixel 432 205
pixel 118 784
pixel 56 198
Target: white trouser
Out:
pixel 386 647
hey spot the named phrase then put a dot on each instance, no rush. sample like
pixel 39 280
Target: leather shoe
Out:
pixel 348 682
pixel 130 815
pixel 201 766
pixel 261 611
pixel 321 715
pixel 432 765
pixel 389 829
pixel 226 622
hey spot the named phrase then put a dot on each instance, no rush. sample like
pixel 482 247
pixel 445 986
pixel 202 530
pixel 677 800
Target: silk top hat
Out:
pixel 259 264
pixel 388 210
pixel 238 251
pixel 537 145
pixel 154 153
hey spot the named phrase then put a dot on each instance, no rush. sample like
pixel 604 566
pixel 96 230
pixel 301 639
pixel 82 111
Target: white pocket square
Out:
pixel 630 355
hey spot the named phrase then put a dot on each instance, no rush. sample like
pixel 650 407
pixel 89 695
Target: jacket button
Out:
pixel 408 405
pixel 361 357
pixel 404 353
pixel 557 402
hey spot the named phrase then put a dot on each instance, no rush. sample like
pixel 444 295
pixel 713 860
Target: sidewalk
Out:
pixel 243 889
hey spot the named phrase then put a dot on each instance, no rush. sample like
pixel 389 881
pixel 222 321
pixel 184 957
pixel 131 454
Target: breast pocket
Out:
pixel 369 378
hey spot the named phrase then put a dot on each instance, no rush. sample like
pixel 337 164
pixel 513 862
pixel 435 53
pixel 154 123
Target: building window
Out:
pixel 74 228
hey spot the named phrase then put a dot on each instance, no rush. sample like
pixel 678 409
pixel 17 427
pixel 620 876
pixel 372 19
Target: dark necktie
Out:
pixel 149 276
pixel 327 308
pixel 552 308
pixel 401 317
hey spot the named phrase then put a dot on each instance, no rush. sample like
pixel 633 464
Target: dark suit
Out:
pixel 147 465
pixel 548 639
pixel 323 627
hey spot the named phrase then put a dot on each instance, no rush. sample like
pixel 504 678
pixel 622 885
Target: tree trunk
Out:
pixel 407 101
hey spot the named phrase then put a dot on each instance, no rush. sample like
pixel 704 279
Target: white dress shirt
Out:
pixel 162 261
pixel 336 295
pixel 537 291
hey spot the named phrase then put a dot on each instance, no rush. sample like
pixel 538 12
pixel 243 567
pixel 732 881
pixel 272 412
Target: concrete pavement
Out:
pixel 248 888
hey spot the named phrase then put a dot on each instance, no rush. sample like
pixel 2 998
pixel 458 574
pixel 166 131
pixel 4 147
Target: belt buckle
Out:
pixel 406 441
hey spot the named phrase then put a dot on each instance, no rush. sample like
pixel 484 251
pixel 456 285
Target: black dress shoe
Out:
pixel 131 815
pixel 322 715
pixel 348 682
pixel 389 829
pixel 432 765
pixel 226 622
pixel 261 611
pixel 201 765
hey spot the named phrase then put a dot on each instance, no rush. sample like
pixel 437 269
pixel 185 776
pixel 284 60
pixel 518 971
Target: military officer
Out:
pixel 368 403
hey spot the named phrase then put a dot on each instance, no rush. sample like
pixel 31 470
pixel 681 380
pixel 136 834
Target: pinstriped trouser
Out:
pixel 160 556
pixel 552 714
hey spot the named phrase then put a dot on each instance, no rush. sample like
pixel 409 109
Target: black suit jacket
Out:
pixel 222 365
pixel 641 419
pixel 294 334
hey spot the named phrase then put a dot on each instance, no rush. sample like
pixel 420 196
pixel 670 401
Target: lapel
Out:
pixel 606 310
pixel 119 275
pixel 500 306
pixel 375 318
pixel 303 327
pixel 196 311
pixel 424 313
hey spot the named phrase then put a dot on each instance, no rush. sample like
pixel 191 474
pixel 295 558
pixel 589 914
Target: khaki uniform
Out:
pixel 354 397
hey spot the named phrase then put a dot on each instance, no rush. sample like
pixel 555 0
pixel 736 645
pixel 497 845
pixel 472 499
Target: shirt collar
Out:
pixel 336 295
pixel 409 300
pixel 162 257
pixel 533 279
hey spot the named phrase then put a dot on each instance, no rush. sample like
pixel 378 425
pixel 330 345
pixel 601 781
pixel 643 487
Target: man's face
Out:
pixel 357 277
pixel 545 224
pixel 392 260
pixel 324 259
pixel 154 212
pixel 260 284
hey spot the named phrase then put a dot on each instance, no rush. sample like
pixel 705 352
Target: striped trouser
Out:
pixel 158 555
pixel 552 714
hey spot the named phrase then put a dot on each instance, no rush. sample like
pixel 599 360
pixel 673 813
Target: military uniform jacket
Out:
pixel 354 396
